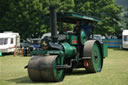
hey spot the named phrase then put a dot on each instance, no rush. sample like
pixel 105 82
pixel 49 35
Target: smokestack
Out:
pixel 53 21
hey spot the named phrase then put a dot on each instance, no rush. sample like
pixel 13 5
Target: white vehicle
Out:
pixel 47 34
pixel 125 39
pixel 36 42
pixel 97 37
pixel 9 41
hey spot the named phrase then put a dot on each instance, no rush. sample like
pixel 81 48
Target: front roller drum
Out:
pixel 43 68
pixel 92 48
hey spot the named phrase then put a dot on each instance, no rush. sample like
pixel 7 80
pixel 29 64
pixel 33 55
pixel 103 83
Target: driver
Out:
pixel 77 28
pixel 86 27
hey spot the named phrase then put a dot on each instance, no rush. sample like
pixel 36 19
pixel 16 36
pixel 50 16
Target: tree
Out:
pixel 3 7
pixel 106 10
pixel 26 16
pixel 126 18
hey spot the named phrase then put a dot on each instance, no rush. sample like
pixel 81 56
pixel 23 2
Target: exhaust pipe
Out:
pixel 53 21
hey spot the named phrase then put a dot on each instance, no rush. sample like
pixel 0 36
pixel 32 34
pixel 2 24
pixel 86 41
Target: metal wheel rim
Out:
pixel 96 58
pixel 58 73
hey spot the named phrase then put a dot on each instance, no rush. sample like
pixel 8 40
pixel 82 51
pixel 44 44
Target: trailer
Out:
pixel 125 39
pixel 9 41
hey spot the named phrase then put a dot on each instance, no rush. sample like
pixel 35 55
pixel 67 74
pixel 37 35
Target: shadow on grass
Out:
pixel 26 80
pixel 78 72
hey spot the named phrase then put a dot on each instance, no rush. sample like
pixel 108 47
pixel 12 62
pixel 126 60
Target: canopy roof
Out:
pixel 70 17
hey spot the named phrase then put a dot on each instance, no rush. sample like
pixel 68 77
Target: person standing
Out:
pixel 87 26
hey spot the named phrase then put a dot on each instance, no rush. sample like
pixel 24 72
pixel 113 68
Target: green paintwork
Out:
pixel 58 73
pixel 44 52
pixel 0 53
pixel 105 50
pixel 96 57
pixel 69 50
pixel 67 35
pixel 73 39
pixel 39 52
pixel 70 17
pixel 73 17
pixel 83 37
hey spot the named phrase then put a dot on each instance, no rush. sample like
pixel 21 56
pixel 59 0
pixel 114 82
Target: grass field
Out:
pixel 114 72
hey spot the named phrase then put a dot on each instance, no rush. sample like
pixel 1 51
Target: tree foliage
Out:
pixel 106 10
pixel 126 18
pixel 26 16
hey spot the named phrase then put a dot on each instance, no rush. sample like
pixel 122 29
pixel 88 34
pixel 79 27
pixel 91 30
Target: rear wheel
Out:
pixel 92 49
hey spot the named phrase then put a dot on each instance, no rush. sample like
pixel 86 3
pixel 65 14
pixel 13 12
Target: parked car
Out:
pixel 27 46
pixel 36 42
pixel 97 37
pixel 24 43
pixel 47 34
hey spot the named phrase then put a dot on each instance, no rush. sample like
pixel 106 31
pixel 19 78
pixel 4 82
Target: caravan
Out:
pixel 125 39
pixel 9 41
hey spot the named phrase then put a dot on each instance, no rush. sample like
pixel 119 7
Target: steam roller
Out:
pixel 62 52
